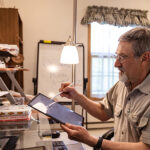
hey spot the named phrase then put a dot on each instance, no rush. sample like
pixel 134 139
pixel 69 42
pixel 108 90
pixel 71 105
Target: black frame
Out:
pixel 35 80
pixel 29 104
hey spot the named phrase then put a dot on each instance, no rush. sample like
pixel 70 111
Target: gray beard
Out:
pixel 123 77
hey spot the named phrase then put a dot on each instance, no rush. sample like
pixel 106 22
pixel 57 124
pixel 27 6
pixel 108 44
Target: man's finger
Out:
pixel 65 128
pixel 73 127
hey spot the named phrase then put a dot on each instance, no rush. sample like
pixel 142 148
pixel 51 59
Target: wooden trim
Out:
pixel 89 61
pixel 89 67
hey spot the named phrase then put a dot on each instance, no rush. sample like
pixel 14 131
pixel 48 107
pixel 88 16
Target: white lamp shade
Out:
pixel 69 55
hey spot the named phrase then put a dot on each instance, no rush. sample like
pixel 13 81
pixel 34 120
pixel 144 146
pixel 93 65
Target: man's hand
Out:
pixel 69 91
pixel 80 134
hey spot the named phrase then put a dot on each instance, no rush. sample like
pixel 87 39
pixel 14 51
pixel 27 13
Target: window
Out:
pixel 102 74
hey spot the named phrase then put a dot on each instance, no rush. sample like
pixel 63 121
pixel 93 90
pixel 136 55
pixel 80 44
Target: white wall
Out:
pixel 53 20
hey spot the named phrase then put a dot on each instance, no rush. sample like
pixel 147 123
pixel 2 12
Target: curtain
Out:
pixel 115 16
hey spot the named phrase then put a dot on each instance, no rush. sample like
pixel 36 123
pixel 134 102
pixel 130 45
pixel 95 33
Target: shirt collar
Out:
pixel 144 87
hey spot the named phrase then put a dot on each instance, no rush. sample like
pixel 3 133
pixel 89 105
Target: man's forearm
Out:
pixel 110 145
pixel 92 107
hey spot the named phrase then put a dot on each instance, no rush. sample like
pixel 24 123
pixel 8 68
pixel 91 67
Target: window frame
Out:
pixel 89 67
pixel 89 64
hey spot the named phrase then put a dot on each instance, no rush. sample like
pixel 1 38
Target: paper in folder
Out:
pixel 55 110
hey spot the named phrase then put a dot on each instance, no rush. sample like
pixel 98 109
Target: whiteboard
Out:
pixel 51 73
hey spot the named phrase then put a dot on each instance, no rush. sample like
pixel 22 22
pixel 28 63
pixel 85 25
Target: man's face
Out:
pixel 128 65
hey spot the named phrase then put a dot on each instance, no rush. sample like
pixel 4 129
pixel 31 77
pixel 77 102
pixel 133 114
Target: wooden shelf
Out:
pixel 11 32
pixel 14 69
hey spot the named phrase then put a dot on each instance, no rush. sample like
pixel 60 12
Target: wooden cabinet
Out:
pixel 11 32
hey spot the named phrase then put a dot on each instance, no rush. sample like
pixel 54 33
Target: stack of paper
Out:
pixel 9 49
pixel 2 93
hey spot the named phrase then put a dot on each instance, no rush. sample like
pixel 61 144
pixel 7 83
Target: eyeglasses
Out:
pixel 121 58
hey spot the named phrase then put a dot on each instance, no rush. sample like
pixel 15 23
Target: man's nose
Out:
pixel 117 63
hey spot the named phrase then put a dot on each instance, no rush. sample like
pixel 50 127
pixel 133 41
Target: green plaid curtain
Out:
pixel 115 16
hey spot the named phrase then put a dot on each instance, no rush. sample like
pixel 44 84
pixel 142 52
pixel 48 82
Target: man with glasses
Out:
pixel 128 101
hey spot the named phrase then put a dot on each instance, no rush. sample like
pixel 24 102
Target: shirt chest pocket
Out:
pixel 137 122
pixel 118 111
pixel 132 119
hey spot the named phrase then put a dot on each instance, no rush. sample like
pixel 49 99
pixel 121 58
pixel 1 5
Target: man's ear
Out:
pixel 146 56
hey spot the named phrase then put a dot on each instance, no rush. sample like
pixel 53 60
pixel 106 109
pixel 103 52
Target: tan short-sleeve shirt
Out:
pixel 130 110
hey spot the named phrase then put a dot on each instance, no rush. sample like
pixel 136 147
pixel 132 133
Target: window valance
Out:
pixel 115 16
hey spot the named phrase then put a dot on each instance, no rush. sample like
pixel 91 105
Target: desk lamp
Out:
pixel 69 55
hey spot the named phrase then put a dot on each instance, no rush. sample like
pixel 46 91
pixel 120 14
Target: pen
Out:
pixel 61 92
pixel 51 104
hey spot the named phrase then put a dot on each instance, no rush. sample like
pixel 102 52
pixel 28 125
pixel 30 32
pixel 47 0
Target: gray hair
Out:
pixel 140 39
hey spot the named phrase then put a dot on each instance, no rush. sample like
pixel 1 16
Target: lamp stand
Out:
pixel 74 83
pixel 74 39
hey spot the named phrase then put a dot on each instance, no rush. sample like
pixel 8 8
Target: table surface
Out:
pixel 30 133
